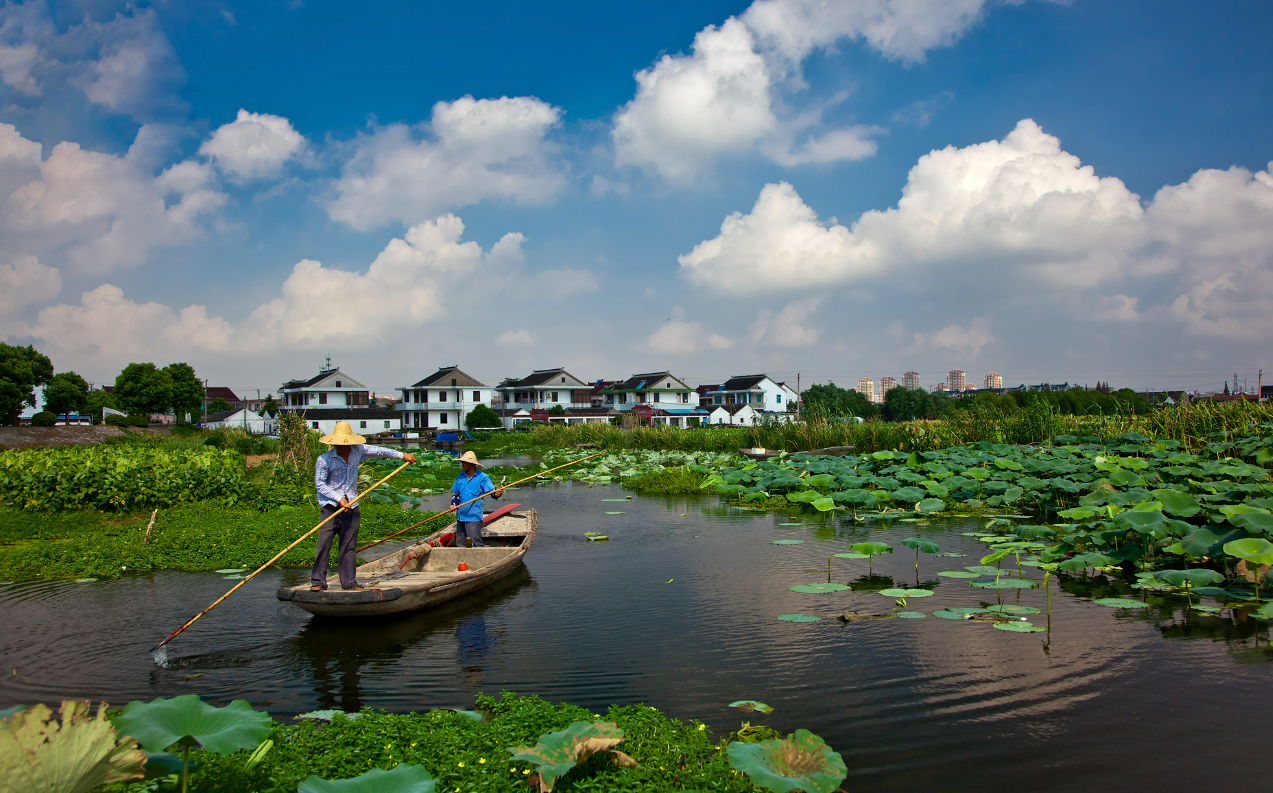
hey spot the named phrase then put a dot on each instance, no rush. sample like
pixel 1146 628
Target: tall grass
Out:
pixel 1193 426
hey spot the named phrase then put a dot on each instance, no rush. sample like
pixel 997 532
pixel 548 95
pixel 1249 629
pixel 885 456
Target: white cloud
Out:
pixel 787 329
pixel 109 210
pixel 21 26
pixel 253 145
pixel 967 340
pixel 1022 200
pixel 726 96
pixel 921 112
pixel 677 336
pixel 516 338
pixel 1022 216
pixel 479 149
pixel 23 281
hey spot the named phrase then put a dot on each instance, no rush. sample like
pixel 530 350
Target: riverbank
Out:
pixel 191 537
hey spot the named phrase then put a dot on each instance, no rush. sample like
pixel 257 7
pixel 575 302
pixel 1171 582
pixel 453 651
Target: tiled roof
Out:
pixel 445 375
pixel 221 415
pixel 307 383
pixel 742 382
pixel 541 377
pixel 221 392
pixel 639 381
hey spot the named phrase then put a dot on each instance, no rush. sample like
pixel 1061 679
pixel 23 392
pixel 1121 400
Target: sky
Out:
pixel 1054 191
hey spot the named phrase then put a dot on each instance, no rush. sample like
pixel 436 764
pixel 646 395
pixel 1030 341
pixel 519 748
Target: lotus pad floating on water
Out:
pixel 85 580
pixel 1018 627
pixel 1012 609
pixel 983 569
pixel 1005 583
pixel 912 615
pixel 1122 603
pixel 798 618
pixel 229 570
pixel 958 612
pixel 958 574
pixel 950 554
pixel 906 593
pixel 404 778
pixel 615 513
pixel 751 705
pixel 786 542
pixel 850 555
pixel 802 761
pixel 809 588
pixel 788 524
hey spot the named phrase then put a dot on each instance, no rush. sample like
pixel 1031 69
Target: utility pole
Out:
pixel 1259 386
pixel 799 397
pixel 205 401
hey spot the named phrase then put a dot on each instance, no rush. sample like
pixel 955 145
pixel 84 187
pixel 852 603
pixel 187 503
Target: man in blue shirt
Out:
pixel 470 484
pixel 336 480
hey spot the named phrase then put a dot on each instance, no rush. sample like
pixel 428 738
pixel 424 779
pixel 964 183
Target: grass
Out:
pixel 681 480
pixel 191 536
pixel 462 754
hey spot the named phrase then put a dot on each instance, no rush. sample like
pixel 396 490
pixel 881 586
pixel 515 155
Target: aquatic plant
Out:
pixel 871 550
pixel 558 752
pixel 74 752
pixel 920 544
pixel 404 778
pixel 802 761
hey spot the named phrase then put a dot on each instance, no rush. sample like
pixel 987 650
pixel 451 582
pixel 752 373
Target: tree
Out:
pixel 831 400
pixel 66 392
pixel 21 370
pixel 141 389
pixel 96 401
pixel 481 417
pixel 269 404
pixel 187 389
pixel 217 405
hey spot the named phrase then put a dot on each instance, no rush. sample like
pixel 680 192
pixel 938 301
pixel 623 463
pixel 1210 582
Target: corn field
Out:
pixel 1194 426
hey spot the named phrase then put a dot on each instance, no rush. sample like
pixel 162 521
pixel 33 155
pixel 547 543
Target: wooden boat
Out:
pixel 421 576
pixel 767 454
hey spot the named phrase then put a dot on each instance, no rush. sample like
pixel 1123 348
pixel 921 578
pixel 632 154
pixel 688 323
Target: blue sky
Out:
pixel 1052 191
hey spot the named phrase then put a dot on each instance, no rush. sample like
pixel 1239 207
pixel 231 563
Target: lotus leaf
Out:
pixel 1257 522
pixel 751 706
pixel 798 618
pixel 851 555
pixel 909 494
pixel 951 554
pixel 229 570
pixel 159 724
pixel 403 778
pixel 906 593
pixel 811 588
pixel 823 504
pixel 74 754
pixel 558 752
pixel 1125 478
pixel 982 569
pixel 1207 609
pixel 957 612
pixel 931 504
pixel 1005 583
pixel 1018 627
pixel 1012 609
pixel 1012 494
pixel 786 542
pixel 912 615
pixel 1194 577
pixel 614 513
pixel 872 548
pixel 996 556
pixel 1252 549
pixel 1121 603
pixel 1177 503
pixel 802 761
pixel 958 574
pixel 1204 542
pixel 1078 513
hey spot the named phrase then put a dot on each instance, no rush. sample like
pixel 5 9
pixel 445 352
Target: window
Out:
pixel 386 425
pixel 362 425
pixel 441 396
pixel 322 398
pixel 315 425
pixel 477 396
pixel 441 418
pixel 555 397
pixel 778 398
pixel 718 399
pixel 563 379
pixel 338 384
pixel 452 382
pixel 685 397
pixel 623 399
pixel 656 396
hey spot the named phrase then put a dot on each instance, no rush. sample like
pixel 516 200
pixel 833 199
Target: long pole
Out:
pixel 479 498
pixel 277 556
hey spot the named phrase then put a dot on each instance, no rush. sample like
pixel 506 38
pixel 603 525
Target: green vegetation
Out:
pixel 681 480
pixel 66 392
pixel 78 752
pixel 507 742
pixel 21 370
pixel 142 388
pixel 44 419
pixel 832 401
pixel 482 416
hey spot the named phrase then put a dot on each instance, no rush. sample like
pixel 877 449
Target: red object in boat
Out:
pixel 462 568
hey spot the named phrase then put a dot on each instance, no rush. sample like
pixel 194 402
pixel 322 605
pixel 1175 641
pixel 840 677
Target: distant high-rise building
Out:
pixel 910 380
pixel 955 380
pixel 994 380
pixel 866 386
pixel 886 383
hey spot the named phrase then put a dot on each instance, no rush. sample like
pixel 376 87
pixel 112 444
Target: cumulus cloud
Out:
pixel 23 281
pixel 726 96
pixel 472 149
pixel 136 71
pixel 252 146
pixel 109 210
pixel 21 27
pixel 1022 214
pixel 788 328
pixel 678 336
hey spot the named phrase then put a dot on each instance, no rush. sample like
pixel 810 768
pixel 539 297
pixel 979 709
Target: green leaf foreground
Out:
pixel 163 722
pixel 73 752
pixel 558 752
pixel 802 761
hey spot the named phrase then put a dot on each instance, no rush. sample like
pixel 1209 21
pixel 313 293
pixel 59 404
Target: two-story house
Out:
pixel 762 393
pixel 547 395
pixel 442 400
pixel 333 396
pixel 658 398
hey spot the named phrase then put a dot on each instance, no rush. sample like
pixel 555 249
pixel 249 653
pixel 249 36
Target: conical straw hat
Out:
pixel 343 435
pixel 470 457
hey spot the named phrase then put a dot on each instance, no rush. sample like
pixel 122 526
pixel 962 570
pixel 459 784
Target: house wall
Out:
pixel 327 426
pixel 422 408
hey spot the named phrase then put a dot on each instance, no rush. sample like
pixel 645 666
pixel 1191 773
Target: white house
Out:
pixel 241 419
pixel 441 400
pixel 737 413
pixel 659 390
pixel 330 389
pixel 363 421
pixel 758 390
pixel 542 389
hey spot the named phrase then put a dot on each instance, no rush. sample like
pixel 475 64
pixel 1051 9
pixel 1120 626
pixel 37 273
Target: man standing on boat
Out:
pixel 470 484
pixel 336 480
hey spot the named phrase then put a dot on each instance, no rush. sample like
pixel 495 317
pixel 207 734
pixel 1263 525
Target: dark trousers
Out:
pixel 468 529
pixel 345 525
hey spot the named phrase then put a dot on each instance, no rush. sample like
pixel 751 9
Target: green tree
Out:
pixel 21 370
pixel 96 401
pixel 217 405
pixel 831 400
pixel 142 389
pixel 66 392
pixel 482 416
pixel 187 389
pixel 557 410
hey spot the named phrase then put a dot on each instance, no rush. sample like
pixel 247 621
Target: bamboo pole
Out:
pixel 277 556
pixel 479 498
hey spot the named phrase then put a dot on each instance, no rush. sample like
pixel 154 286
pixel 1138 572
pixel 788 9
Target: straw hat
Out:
pixel 470 457
pixel 343 435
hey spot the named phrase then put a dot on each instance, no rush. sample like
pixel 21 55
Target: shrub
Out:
pixel 44 419
pixel 128 421
pixel 482 417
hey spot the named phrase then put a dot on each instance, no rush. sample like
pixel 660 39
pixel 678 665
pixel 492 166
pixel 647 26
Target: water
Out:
pixel 1108 695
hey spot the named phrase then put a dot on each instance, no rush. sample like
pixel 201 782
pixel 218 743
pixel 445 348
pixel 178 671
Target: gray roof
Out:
pixel 537 378
pixel 742 382
pixel 445 375
pixel 640 381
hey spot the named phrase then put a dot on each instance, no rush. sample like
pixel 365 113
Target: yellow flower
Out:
pixel 527 771
pixel 461 765
pixel 482 760
pixel 702 727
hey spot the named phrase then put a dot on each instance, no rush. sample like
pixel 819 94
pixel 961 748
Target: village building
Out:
pixel 738 414
pixel 240 419
pixel 655 398
pixel 363 421
pixel 442 400
pixel 330 389
pixel 767 397
pixel 552 395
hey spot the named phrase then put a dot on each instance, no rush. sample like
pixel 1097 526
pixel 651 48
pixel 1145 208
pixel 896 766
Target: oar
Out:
pixel 277 556
pixel 479 498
